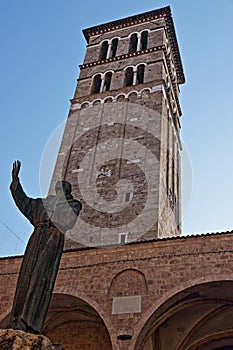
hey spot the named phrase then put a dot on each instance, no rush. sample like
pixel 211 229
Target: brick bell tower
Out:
pixel 121 145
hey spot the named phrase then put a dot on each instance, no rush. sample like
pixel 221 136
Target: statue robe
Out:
pixel 42 255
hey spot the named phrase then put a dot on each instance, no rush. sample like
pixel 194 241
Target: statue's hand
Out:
pixel 16 169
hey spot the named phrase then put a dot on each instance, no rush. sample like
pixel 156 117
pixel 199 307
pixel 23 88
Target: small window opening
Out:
pixel 129 76
pixel 133 43
pixel 107 81
pixel 96 84
pixel 140 74
pixel 114 47
pixel 144 40
pixel 123 238
pixel 103 50
pixel 127 197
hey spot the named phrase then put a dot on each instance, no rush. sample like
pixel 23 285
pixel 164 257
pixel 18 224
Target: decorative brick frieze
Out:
pixel 122 57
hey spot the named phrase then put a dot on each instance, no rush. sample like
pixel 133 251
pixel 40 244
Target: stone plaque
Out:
pixel 126 305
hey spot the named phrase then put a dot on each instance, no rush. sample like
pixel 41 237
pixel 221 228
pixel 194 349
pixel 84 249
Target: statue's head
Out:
pixel 63 186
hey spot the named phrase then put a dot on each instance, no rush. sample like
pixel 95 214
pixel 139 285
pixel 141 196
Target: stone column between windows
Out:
pixel 134 75
pixel 102 83
pixel 139 42
pixel 109 49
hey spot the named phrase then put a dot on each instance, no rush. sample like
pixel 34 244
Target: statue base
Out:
pixel 11 339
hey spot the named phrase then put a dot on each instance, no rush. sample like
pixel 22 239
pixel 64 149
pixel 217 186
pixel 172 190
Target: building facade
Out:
pixel 165 294
pixel 121 145
pixel 128 279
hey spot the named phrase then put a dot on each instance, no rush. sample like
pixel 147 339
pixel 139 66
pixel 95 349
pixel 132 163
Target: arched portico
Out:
pixel 199 317
pixel 74 323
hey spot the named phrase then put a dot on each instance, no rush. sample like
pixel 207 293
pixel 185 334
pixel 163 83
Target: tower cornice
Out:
pixel 164 12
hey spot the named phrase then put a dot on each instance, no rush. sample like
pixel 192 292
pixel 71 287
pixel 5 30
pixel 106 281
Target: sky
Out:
pixel 42 46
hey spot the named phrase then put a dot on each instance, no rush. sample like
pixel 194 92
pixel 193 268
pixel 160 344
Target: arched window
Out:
pixel 140 73
pixel 129 74
pixel 107 81
pixel 114 47
pixel 96 85
pixel 133 43
pixel 134 75
pixel 103 50
pixel 138 41
pixel 108 49
pixel 144 40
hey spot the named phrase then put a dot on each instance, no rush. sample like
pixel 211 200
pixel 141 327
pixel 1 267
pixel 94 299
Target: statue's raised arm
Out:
pixel 16 169
pixel 51 218
pixel 22 201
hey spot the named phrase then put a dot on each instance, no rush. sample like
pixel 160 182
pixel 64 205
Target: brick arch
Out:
pixel 73 319
pixel 219 341
pixel 138 32
pixel 69 293
pixel 120 97
pixel 128 282
pixel 108 99
pixel 97 102
pixel 133 96
pixel 132 92
pixel 85 104
pixel 173 296
pixel 141 63
pixel 75 293
pixel 145 92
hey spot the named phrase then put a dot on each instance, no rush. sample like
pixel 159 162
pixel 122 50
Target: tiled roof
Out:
pixel 141 242
pixel 182 237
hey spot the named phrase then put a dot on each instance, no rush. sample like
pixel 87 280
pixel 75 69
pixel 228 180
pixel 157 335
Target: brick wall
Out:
pixel 137 278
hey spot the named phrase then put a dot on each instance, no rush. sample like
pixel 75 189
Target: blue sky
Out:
pixel 41 48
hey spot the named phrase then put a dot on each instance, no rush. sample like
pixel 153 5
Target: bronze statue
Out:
pixel 51 218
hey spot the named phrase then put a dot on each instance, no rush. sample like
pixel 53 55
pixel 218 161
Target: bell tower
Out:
pixel 121 145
